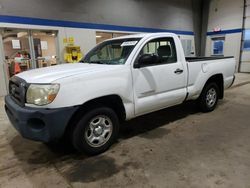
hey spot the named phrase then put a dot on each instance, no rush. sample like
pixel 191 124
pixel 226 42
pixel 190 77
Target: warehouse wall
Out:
pixel 145 13
pixel 179 15
pixel 3 89
pixel 3 81
pixel 83 18
pixel 226 15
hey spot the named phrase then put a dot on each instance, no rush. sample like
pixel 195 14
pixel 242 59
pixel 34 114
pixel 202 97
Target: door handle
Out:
pixel 178 71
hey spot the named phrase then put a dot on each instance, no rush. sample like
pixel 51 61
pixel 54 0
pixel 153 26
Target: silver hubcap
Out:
pixel 211 97
pixel 98 131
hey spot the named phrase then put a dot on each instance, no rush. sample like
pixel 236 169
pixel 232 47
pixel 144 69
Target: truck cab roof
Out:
pixel 145 35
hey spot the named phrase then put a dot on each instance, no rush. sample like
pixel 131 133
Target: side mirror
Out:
pixel 146 59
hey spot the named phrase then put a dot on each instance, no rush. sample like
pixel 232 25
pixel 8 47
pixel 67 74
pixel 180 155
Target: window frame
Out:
pixel 159 40
pixel 213 40
pixel 102 45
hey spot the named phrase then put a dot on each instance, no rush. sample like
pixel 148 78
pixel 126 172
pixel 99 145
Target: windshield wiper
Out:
pixel 91 62
pixel 96 62
pixel 82 61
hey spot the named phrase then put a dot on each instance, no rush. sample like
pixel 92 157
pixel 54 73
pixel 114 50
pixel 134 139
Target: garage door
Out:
pixel 245 55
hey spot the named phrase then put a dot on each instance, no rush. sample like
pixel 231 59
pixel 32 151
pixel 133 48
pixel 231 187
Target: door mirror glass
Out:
pixel 148 59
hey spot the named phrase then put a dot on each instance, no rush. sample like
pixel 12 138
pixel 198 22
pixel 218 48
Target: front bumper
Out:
pixel 38 123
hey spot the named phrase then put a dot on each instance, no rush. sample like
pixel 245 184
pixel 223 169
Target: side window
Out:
pixel 218 46
pixel 164 48
pixel 246 44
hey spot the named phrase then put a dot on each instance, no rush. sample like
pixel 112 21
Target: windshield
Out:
pixel 111 52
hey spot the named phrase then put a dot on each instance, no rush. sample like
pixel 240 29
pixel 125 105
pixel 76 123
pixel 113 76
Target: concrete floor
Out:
pixel 176 147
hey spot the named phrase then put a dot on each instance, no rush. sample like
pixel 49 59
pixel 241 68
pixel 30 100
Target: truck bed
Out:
pixel 201 68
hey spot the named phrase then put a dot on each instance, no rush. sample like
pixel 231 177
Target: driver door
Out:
pixel 161 84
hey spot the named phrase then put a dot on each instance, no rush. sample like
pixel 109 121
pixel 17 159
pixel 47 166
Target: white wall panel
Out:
pixel 245 56
pixel 232 45
pixel 3 90
pixel 84 38
pixel 248 11
pixel 226 14
pixel 3 84
pixel 247 24
pixel 186 37
pixel 245 67
pixel 208 46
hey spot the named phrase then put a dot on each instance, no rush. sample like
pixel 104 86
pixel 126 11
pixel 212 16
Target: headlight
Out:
pixel 41 94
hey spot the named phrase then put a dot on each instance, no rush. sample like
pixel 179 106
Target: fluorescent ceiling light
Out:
pixel 98 36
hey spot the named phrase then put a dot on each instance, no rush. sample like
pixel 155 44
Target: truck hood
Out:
pixel 53 73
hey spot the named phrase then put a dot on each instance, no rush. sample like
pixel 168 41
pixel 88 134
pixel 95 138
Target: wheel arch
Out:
pixel 219 80
pixel 112 101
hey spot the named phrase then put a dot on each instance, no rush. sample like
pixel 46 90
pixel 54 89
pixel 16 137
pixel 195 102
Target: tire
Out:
pixel 209 97
pixel 96 131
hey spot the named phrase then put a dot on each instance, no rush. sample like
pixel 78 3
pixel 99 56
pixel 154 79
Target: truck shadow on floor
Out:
pixel 144 125
pixel 34 155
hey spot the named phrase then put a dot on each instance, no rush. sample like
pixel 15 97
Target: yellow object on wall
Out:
pixel 65 41
pixel 72 54
pixel 71 41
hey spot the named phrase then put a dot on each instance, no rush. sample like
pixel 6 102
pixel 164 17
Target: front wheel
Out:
pixel 96 131
pixel 209 97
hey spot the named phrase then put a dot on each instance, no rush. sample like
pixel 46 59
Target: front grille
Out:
pixel 17 90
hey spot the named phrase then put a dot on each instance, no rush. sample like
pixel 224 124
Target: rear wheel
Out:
pixel 96 131
pixel 209 97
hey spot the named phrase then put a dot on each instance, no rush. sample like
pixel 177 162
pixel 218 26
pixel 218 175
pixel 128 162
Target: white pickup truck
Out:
pixel 118 80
